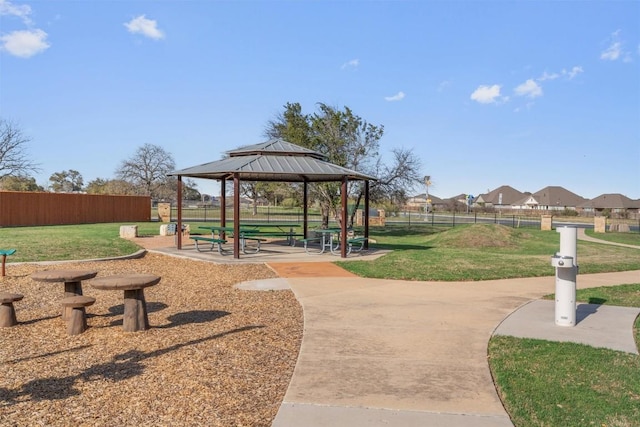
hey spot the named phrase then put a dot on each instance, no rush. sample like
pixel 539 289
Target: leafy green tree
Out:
pixel 349 141
pixel 19 183
pixel 110 186
pixel 66 181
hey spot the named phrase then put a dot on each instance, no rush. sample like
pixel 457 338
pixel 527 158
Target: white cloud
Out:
pixel 25 43
pixel 573 72
pixel 486 94
pixel 351 64
pixel 144 26
pixel 613 52
pixel 548 76
pixel 616 49
pixel 530 89
pixel 23 11
pixel 397 97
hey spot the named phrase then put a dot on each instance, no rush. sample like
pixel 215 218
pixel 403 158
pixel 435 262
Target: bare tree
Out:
pixel 147 169
pixel 14 159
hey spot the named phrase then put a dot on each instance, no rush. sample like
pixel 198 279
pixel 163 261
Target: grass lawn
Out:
pixel 626 238
pixel 544 383
pixel 480 252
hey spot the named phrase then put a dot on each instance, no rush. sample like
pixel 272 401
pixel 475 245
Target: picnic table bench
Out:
pixel 328 239
pixel 214 241
pixel 219 240
pixel 277 230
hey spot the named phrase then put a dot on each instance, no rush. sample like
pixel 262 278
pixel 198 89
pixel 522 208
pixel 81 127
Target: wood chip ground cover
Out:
pixel 214 356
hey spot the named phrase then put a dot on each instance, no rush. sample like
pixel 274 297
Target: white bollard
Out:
pixel 566 264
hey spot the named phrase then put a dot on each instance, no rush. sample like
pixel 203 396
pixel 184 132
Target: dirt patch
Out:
pixel 214 356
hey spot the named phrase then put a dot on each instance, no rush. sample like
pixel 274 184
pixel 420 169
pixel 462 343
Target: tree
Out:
pixel 66 181
pixel 349 141
pixel 147 170
pixel 110 186
pixel 14 159
pixel 19 183
pixel 190 190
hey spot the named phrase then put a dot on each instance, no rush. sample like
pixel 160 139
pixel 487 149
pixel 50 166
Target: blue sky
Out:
pixel 487 93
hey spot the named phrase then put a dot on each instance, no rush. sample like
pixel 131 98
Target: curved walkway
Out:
pixel 384 352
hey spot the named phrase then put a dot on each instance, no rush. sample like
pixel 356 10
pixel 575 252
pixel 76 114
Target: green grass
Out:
pixel 626 238
pixel 480 252
pixel 564 384
pixel 544 383
pixel 69 242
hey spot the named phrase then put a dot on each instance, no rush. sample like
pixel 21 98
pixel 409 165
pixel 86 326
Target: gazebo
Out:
pixel 280 161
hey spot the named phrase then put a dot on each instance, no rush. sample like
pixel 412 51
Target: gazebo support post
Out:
pixel 343 226
pixel 305 209
pixel 179 227
pixel 366 214
pixel 223 205
pixel 236 216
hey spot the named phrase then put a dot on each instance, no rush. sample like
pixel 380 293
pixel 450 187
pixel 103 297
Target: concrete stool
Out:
pixel 135 306
pixel 7 311
pixel 72 280
pixel 77 322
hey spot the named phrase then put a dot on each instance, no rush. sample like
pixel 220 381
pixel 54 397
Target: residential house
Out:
pixel 550 198
pixel 419 202
pixel 501 198
pixel 617 204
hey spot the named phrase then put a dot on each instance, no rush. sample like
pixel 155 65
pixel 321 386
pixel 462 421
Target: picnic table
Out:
pixel 330 239
pixel 72 280
pixel 218 238
pixel 135 307
pixel 273 229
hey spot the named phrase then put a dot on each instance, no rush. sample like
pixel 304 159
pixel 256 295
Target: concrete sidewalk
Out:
pixel 383 352
pixel 396 353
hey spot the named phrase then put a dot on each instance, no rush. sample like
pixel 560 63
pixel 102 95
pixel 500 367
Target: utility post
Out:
pixel 427 183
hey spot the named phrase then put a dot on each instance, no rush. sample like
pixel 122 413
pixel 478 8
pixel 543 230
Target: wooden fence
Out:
pixel 31 208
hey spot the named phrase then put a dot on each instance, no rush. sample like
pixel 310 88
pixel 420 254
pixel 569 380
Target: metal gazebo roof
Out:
pixel 274 160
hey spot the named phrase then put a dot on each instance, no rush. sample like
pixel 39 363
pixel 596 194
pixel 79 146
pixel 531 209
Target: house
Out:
pixel 419 202
pixel 552 198
pixel 501 198
pixel 617 204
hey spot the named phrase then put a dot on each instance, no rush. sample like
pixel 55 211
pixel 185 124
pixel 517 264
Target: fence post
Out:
pixel 453 223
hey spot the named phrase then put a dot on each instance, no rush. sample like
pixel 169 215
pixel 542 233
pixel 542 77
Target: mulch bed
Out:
pixel 214 356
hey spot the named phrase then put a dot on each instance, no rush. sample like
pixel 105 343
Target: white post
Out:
pixel 566 264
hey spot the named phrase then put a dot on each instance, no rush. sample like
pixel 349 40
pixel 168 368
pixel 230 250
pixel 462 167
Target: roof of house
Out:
pixel 615 201
pixel 557 196
pixel 504 195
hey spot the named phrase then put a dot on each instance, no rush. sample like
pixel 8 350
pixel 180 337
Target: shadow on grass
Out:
pixel 595 300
